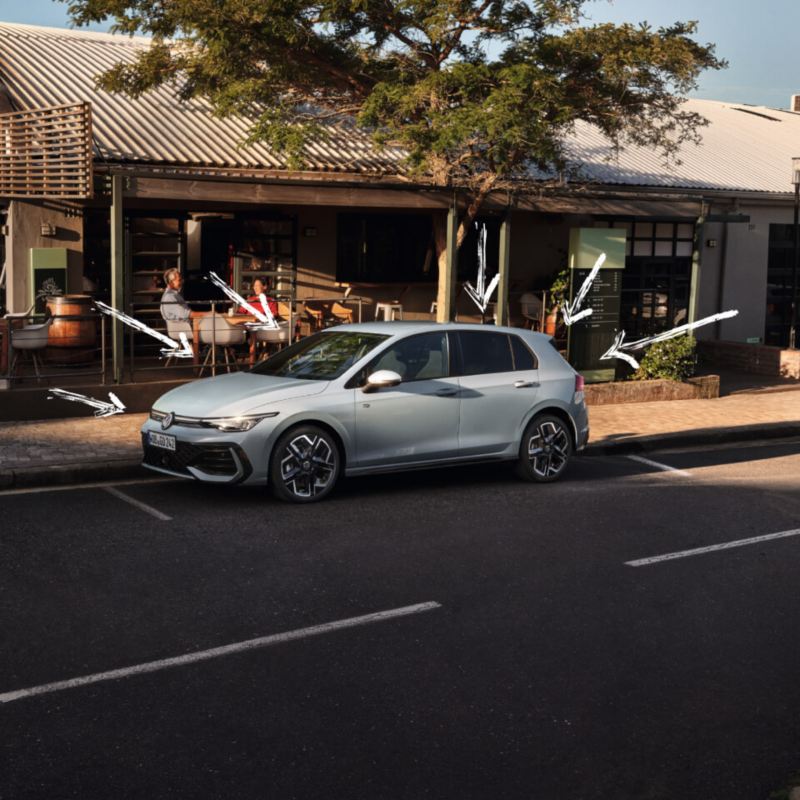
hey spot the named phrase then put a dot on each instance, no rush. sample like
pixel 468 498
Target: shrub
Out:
pixel 673 360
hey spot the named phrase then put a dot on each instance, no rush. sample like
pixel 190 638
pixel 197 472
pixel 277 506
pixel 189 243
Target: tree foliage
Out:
pixel 478 92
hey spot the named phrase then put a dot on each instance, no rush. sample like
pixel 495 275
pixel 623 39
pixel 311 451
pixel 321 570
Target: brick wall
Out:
pixel 757 358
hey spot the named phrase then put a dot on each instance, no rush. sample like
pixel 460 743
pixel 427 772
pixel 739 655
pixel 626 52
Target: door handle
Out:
pixel 524 384
pixel 446 392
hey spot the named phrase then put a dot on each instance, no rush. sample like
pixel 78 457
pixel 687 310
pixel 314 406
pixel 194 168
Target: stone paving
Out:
pixel 116 439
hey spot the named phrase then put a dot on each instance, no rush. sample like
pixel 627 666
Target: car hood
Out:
pixel 234 394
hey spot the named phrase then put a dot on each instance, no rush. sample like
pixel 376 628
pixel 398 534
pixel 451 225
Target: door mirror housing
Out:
pixel 382 379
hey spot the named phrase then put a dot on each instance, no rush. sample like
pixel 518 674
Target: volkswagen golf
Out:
pixel 375 397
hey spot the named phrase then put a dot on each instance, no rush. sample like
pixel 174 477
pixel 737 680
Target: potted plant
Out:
pixel 557 296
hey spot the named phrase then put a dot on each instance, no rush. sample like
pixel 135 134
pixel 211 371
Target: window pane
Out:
pixel 683 249
pixel 664 230
pixel 485 352
pixel 686 231
pixel 523 358
pixel 628 226
pixel 663 248
pixel 643 248
pixel 644 230
pixel 416 358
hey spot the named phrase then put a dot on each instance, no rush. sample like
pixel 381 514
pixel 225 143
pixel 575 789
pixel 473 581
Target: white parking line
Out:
pixel 697 551
pixel 154 512
pixel 95 485
pixel 216 652
pixel 659 465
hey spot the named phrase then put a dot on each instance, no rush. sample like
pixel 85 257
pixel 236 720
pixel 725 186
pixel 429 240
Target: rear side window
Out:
pixel 523 358
pixel 484 352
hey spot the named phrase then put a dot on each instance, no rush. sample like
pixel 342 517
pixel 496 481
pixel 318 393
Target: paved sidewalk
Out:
pixel 63 451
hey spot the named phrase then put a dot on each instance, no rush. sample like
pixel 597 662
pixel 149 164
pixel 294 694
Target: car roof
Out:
pixel 405 327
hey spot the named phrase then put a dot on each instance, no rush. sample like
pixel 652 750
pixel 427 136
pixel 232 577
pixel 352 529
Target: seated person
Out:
pixel 173 306
pixel 256 291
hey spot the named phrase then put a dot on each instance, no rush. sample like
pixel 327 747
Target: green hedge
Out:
pixel 672 360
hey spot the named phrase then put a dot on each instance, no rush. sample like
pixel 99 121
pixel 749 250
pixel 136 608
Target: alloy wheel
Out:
pixel 548 449
pixel 307 465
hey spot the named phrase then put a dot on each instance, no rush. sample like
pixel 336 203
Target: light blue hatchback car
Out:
pixel 375 397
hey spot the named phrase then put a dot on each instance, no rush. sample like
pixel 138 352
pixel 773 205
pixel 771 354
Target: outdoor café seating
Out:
pixel 29 339
pixel 216 332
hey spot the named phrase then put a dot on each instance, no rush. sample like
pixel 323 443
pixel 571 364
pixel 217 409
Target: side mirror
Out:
pixel 382 379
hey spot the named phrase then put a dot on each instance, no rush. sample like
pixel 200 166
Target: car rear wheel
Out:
pixel 545 449
pixel 305 465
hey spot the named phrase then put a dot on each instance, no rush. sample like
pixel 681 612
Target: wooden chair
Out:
pixel 341 313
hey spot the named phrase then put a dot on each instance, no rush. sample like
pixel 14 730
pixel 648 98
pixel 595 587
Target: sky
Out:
pixel 756 38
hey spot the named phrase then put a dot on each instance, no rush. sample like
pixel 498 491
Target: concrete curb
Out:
pixel 131 468
pixel 66 474
pixel 702 436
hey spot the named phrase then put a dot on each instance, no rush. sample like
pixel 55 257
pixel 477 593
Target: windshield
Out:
pixel 321 357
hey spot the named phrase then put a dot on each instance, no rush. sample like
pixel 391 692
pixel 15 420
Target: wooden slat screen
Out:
pixel 47 152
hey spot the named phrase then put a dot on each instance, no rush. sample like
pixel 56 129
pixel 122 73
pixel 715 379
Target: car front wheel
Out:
pixel 545 449
pixel 305 465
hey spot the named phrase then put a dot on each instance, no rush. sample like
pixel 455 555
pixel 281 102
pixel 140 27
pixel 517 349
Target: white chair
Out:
pixel 531 305
pixel 273 336
pixel 175 327
pixel 29 339
pixel 390 311
pixel 215 331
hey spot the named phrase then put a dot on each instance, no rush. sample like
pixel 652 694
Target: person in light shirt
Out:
pixel 174 307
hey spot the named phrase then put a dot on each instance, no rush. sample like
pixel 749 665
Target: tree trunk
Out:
pixel 440 229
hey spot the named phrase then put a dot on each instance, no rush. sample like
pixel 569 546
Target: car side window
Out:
pixel 415 358
pixel 484 352
pixel 523 357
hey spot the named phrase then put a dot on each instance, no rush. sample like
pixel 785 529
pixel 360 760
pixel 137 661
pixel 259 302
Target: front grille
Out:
pixel 215 459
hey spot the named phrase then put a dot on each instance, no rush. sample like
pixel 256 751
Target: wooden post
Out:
pixel 502 315
pixel 117 272
pixel 445 297
pixel 697 260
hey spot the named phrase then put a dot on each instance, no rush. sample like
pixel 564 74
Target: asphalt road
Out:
pixel 542 666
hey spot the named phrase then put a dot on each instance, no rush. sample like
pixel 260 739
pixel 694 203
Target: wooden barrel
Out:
pixel 71 340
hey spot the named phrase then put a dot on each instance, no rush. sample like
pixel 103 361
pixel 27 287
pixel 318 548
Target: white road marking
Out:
pixel 96 485
pixel 659 465
pixel 697 551
pixel 216 652
pixel 154 512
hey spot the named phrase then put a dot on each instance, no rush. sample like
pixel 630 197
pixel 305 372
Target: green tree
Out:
pixel 479 93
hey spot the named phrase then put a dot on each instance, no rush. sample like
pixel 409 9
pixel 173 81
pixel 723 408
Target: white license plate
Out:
pixel 162 440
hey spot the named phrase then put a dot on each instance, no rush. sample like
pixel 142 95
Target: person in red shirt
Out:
pixel 257 290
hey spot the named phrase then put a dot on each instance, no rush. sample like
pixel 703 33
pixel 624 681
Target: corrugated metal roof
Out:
pixel 53 66
pixel 744 148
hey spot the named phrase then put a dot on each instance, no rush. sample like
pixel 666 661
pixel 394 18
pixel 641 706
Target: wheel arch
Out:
pixel 556 411
pixel 319 423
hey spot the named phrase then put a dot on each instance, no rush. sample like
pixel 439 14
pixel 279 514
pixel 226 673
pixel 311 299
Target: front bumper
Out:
pixel 220 462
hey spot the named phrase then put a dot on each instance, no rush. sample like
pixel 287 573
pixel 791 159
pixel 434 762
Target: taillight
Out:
pixel 579 384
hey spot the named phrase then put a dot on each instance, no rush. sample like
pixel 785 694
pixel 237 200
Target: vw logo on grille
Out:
pixel 167 421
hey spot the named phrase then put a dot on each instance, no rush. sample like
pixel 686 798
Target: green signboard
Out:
pixel 590 337
pixel 48 275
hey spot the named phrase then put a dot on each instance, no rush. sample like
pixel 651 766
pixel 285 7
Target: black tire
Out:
pixel 305 465
pixel 545 449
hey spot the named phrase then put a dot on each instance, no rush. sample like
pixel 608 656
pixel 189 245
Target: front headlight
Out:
pixel 237 424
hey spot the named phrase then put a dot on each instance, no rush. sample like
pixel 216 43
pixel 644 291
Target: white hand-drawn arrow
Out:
pixel 616 349
pixel 482 294
pixel 182 350
pixel 570 310
pixel 103 409
pixel 266 319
